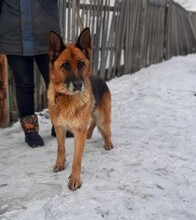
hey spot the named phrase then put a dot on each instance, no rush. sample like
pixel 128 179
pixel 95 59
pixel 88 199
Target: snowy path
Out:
pixel 149 175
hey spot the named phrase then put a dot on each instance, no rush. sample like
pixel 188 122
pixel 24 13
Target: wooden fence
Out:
pixel 130 34
pixel 126 36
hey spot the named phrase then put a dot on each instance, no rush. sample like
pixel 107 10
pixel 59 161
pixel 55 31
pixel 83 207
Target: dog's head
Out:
pixel 70 66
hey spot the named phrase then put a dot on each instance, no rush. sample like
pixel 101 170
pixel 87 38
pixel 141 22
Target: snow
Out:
pixel 187 4
pixel 149 175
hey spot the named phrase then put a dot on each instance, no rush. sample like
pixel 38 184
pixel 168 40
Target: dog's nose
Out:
pixel 77 84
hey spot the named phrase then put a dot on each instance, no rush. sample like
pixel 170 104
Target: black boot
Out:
pixel 30 126
pixel 34 140
pixel 68 133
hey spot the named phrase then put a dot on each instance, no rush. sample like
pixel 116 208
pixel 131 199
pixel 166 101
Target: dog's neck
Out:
pixel 58 94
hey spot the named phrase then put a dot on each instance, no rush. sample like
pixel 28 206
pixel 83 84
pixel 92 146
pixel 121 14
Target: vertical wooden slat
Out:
pixel 162 32
pixel 137 37
pixel 167 30
pixel 143 34
pixel 112 35
pixel 120 34
pixel 104 43
pixel 4 99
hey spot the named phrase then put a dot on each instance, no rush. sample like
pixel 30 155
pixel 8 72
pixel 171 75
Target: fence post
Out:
pixel 4 100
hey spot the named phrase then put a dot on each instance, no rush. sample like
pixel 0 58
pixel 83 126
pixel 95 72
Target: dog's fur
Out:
pixel 77 101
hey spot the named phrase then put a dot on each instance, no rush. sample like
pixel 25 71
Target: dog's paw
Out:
pixel 108 146
pixel 74 183
pixel 59 166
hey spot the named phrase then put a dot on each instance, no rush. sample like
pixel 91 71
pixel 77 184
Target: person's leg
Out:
pixel 22 69
pixel 43 62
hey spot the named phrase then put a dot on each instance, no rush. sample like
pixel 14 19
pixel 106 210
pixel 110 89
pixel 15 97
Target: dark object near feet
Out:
pixel 34 140
pixel 68 133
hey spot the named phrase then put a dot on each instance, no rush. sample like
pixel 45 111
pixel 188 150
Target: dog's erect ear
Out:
pixel 56 45
pixel 84 42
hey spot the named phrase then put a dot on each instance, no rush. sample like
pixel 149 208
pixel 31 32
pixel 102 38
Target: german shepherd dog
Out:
pixel 77 101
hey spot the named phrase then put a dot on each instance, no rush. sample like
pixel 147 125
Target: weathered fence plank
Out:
pixel 4 99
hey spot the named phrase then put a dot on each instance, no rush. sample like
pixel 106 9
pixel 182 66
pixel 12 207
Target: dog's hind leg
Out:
pixel 105 130
pixel 91 128
pixel 103 120
pixel 61 157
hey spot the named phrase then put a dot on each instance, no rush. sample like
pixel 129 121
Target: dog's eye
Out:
pixel 66 65
pixel 81 64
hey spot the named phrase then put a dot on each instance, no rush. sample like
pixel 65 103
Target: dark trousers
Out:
pixel 23 71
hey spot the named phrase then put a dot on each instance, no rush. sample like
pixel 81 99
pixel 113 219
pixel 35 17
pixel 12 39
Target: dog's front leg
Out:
pixel 79 145
pixel 60 161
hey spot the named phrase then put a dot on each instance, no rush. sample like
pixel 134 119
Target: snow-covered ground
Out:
pixel 149 175
pixel 187 4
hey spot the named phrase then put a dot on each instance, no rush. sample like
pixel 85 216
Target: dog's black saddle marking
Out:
pixel 99 87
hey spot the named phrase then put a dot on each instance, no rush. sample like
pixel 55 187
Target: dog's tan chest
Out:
pixel 71 111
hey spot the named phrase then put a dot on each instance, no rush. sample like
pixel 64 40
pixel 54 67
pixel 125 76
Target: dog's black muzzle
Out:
pixel 77 84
